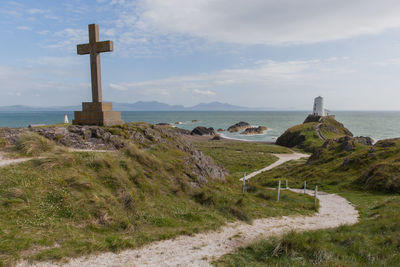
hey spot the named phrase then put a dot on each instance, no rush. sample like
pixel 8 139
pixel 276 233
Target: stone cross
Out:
pixel 94 48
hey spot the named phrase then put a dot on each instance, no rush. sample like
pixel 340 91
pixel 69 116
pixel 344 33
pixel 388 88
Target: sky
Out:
pixel 256 53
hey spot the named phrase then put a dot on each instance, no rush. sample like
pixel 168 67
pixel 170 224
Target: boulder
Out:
pixel 200 130
pixel 255 130
pixel 239 126
pixel 220 130
pixel 216 138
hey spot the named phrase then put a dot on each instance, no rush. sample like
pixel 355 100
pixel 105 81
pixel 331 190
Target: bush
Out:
pixel 3 142
pixel 32 144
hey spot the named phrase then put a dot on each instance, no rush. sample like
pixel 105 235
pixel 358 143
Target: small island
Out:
pixel 238 127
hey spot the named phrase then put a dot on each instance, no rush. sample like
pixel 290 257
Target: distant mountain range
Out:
pixel 139 106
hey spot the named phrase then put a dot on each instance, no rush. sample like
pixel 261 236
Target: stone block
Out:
pixel 100 113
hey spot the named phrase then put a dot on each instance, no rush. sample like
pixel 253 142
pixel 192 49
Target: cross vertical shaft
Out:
pixel 94 48
pixel 95 63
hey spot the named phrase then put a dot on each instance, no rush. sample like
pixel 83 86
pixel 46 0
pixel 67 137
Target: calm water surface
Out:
pixel 375 124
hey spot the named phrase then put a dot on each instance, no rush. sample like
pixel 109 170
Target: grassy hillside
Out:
pixel 74 203
pixel 305 136
pixel 239 157
pixel 368 177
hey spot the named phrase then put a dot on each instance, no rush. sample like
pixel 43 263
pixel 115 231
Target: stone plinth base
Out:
pixel 100 114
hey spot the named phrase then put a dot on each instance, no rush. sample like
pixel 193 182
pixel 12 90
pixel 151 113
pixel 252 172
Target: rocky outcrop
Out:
pixel 220 130
pixel 291 139
pixel 216 138
pixel 255 130
pixel 312 118
pixel 239 126
pixel 200 130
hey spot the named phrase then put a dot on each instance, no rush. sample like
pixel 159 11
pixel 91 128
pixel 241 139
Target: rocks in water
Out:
pixel 195 121
pixel 220 130
pixel 200 130
pixel 178 122
pixel 239 126
pixel 163 124
pixel 255 130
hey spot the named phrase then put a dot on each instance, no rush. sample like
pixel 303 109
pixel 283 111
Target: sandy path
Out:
pixel 202 248
pixel 282 159
pixel 5 162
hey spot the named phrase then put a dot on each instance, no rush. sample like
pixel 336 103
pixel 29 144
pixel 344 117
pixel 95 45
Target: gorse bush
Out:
pixel 32 144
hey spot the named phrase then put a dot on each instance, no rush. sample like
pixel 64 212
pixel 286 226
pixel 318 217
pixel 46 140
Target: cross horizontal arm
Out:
pixel 100 47
pixel 83 49
pixel 105 46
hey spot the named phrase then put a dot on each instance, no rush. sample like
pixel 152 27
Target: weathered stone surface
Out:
pixel 200 130
pixel 100 114
pixel 220 130
pixel 255 130
pixel 239 126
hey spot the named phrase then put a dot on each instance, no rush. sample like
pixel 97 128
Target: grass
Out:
pixel 71 204
pixel 367 177
pixel 375 241
pixel 239 157
pixel 32 144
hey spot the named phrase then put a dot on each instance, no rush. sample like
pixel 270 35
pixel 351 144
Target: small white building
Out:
pixel 319 107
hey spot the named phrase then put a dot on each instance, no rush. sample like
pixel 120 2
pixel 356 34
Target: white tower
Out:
pixel 66 118
pixel 319 108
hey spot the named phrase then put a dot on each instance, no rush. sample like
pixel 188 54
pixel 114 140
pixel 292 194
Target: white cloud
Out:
pixel 279 78
pixel 37 11
pixel 118 87
pixel 203 92
pixel 270 21
pixel 24 28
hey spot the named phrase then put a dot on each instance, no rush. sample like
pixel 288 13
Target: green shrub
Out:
pixel 3 142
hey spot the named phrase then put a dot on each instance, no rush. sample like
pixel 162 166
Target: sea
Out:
pixel 375 124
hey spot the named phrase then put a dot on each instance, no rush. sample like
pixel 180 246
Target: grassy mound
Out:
pixel 305 136
pixel 70 204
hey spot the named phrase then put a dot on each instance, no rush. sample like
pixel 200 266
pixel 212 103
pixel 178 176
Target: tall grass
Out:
pixel 33 144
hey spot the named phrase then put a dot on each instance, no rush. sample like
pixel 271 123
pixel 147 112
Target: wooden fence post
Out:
pixel 244 183
pixel 279 190
pixel 315 197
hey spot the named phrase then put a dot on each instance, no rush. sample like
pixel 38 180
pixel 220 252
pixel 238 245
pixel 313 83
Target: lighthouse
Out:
pixel 319 107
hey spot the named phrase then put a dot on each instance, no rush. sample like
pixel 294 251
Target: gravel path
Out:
pixel 282 159
pixel 201 249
